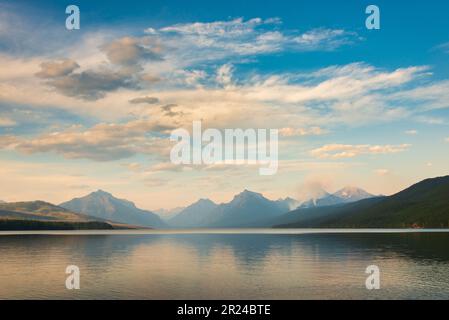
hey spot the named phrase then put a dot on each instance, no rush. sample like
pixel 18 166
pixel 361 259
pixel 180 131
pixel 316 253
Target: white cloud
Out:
pixel 443 47
pixel 238 37
pixel 342 151
pixel 411 132
pixel 326 39
pixel 224 75
pixel 429 96
pixel 294 132
pixel 354 95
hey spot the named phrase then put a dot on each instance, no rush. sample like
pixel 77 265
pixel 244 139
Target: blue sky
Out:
pixel 354 106
pixel 410 29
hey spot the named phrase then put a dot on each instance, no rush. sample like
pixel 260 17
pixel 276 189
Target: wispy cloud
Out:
pixel 294 132
pixel 7 122
pixel 102 142
pixel 443 47
pixel 145 100
pixel 324 39
pixel 341 151
pixel 254 36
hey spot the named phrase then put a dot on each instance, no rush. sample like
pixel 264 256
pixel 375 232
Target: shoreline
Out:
pixel 260 231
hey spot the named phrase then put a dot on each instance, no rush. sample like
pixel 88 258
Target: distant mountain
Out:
pixel 345 195
pixel 40 215
pixel 167 214
pixel 1 201
pixel 244 210
pixel 104 205
pixel 194 215
pixel 288 203
pixel 39 210
pixel 326 200
pixel 352 194
pixel 423 205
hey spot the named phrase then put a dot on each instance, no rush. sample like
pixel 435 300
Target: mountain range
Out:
pixel 423 205
pixel 103 205
pixel 40 215
pixel 246 209
pixel 249 208
pixel 345 195
pixel 243 210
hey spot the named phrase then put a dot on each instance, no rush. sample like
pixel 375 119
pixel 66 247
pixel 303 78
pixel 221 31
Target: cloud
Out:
pixel 124 70
pixel 54 69
pixel 7 122
pixel 238 37
pixel 443 47
pixel 324 39
pixel 7 141
pixel 292 132
pixel 129 51
pixel 429 97
pixel 411 132
pixel 429 119
pixel 447 139
pixel 146 100
pixel 102 142
pixel 236 27
pixel 224 75
pixel 342 151
pixel 354 95
pixel 92 85
pixel 168 110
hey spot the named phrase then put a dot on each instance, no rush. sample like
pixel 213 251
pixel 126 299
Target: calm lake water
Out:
pixel 226 264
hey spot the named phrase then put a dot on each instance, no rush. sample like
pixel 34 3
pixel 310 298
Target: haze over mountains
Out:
pixel 425 204
pixel 246 209
pixel 249 208
pixel 167 214
pixel 242 210
pixel 103 205
pixel 345 195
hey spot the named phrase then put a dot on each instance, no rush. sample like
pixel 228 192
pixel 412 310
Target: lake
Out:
pixel 225 264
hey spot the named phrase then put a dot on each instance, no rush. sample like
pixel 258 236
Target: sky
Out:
pixel 93 108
